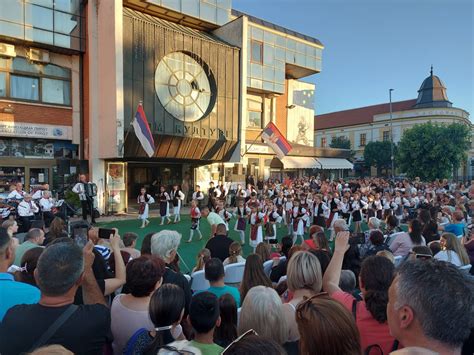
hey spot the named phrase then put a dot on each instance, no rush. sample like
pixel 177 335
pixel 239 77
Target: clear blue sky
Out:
pixel 374 45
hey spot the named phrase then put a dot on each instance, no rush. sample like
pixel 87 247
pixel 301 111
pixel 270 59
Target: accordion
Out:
pixel 90 189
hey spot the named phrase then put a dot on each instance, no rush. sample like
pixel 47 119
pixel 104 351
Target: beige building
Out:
pixel 372 123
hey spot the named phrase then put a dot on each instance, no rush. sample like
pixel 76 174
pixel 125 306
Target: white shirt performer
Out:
pixel 86 201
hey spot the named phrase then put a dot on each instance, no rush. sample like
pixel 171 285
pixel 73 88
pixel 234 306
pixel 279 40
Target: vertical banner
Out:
pixel 116 187
pixel 301 117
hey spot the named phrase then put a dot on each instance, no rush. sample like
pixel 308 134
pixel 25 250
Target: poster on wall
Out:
pixel 116 176
pixel 301 116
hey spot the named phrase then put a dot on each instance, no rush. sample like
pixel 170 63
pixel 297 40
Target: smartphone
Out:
pixel 273 241
pixel 104 233
pixel 80 236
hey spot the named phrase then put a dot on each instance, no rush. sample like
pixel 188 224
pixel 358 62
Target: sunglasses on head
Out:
pixel 247 333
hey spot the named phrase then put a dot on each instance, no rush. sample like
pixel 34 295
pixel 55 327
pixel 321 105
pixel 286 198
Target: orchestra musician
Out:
pixel 87 201
pixel 39 193
pixel 48 207
pixel 26 212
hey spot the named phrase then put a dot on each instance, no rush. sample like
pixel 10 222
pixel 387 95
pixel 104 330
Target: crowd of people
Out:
pixel 367 266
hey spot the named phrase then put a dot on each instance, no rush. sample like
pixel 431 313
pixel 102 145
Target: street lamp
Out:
pixel 391 133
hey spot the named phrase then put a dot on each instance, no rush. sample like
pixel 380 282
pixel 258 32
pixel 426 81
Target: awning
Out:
pixel 299 163
pixel 333 163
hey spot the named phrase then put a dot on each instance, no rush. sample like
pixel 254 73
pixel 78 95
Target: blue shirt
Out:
pixel 233 291
pixel 455 228
pixel 13 293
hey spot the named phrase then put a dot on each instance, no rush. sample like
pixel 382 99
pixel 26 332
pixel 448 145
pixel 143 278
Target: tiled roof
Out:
pixel 357 116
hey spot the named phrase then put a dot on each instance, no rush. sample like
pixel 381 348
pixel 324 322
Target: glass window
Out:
pixel 256 71
pixel 4 62
pixel 257 33
pixel 56 91
pixel 208 12
pixel 11 29
pixel 255 111
pixel 172 4
pixel 281 41
pixel 268 86
pixel 268 54
pixel 55 70
pixel 70 6
pixel 386 136
pixel 3 84
pixel 24 87
pixel 268 73
pixel 223 16
pixel 38 17
pixel 191 7
pixel 37 35
pixel 269 37
pixel 22 64
pixel 363 138
pixel 65 23
pixel 11 10
pixel 323 142
pixel 256 51
pixel 280 53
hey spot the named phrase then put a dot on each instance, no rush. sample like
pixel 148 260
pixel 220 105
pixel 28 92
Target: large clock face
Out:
pixel 183 87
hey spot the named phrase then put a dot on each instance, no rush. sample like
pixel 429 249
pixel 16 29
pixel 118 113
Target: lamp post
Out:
pixel 391 132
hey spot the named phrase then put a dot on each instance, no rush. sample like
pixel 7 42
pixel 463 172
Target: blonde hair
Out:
pixel 262 311
pixel 387 254
pixel 203 256
pixel 264 251
pixel 304 272
pixel 234 251
pixel 453 244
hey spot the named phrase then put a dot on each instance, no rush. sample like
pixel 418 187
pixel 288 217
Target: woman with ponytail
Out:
pixel 370 314
pixel 166 311
pixel 201 259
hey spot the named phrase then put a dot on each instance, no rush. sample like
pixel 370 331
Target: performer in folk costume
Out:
pixel 319 213
pixel 297 221
pixel 198 195
pixel 279 202
pixel 177 198
pixel 333 203
pixel 87 202
pixel 195 217
pixel 357 206
pixel 144 200
pixel 255 220
pixel 377 205
pixel 212 193
pixel 242 214
pixel 288 211
pixel 164 206
pixel 344 208
pixel 221 211
pixel 271 219
pixel 26 211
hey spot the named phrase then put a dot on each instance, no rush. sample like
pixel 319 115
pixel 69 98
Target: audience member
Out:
pixel 28 265
pixel 264 250
pixel 12 293
pixel 376 243
pixel 33 239
pixel 452 250
pixel 404 242
pixel 57 229
pixel 130 243
pixel 203 256
pixel 226 332
pixel 85 329
pixel 387 254
pixel 146 244
pixel 235 254
pixel 347 282
pixel 251 343
pixel 214 273
pixel 129 312
pixel 431 307
pixel 456 226
pixel 429 226
pixel 219 245
pixel 166 311
pixel 279 266
pixel 11 226
pixel 253 275
pixel 420 252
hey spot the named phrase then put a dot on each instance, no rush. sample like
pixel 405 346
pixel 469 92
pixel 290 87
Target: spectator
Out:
pixel 262 311
pixel 376 243
pixel 62 268
pixel 304 280
pixel 219 245
pixel 421 315
pixel 253 275
pixel 214 273
pixel 429 226
pixel 29 262
pixel 323 258
pixel 12 292
pixel 420 252
pixel 351 259
pixel 279 266
pixel 100 244
pixel 164 244
pixel 166 311
pixel 57 229
pixel 347 283
pixel 52 350
pixel 33 239
pixel 11 226
pixel 404 242
pixel 204 316
pixel 226 332
pixel 235 251
pixel 130 242
pixel 318 240
pixel 376 275
pixel 264 250
pixel 129 312
pixel 214 220
pixel 326 327
pixel 452 250
pixel 251 343
pixel 387 254
pixel 457 225
pixel 392 225
pixel 146 244
pixel 203 256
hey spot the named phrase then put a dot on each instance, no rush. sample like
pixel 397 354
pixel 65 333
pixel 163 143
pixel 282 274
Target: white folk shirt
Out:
pixel 27 209
pixel 37 195
pixel 46 204
pixel 16 195
pixel 80 190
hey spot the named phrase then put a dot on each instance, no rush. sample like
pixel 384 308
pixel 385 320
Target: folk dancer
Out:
pixel 198 196
pixel 242 212
pixel 195 218
pixel 255 221
pixel 177 198
pixel 297 221
pixel 320 212
pixel 164 206
pixel 144 200
pixel 271 219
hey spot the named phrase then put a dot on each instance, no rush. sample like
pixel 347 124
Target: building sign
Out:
pixel 301 117
pixel 34 130
pixel 260 149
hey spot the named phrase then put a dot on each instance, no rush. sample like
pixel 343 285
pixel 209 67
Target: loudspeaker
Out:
pixel 64 167
pixel 84 167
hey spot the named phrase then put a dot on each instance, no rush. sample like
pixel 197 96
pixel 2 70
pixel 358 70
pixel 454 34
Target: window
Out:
pixel 25 80
pixel 256 53
pixel 386 136
pixel 362 139
pixel 323 142
pixel 254 111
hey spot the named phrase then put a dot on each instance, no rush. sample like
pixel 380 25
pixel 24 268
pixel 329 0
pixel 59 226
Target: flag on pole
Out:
pixel 272 136
pixel 143 132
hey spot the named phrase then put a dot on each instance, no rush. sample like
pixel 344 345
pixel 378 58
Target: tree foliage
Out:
pixel 378 155
pixel 341 142
pixel 433 151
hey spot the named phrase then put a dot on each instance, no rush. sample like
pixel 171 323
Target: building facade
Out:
pixel 372 123
pixel 41 45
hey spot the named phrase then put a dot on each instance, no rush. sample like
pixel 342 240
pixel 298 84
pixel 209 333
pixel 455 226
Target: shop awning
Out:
pixel 299 163
pixel 333 163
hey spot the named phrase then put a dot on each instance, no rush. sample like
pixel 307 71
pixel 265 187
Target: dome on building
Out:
pixel 432 93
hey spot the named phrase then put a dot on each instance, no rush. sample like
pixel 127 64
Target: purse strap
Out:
pixel 53 328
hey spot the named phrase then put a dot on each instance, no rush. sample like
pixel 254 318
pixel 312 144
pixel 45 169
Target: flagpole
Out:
pixel 250 146
pixel 140 103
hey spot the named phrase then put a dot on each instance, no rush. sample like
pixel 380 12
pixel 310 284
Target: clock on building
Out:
pixel 183 87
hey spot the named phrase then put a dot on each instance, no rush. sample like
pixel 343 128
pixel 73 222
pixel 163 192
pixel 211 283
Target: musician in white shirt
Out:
pixel 39 193
pixel 47 204
pixel 26 212
pixel 18 193
pixel 86 202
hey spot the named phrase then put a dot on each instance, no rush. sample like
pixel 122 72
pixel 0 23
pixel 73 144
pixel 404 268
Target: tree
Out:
pixel 378 155
pixel 341 142
pixel 432 151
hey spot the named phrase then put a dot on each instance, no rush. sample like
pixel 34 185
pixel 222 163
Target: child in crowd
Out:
pixel 177 198
pixel 144 200
pixel 242 213
pixel 164 206
pixel 195 217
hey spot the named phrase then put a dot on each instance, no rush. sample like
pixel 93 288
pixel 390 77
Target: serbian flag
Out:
pixel 143 132
pixel 272 136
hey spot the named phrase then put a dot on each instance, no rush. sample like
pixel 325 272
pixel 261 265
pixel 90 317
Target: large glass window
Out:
pixel 254 111
pixel 256 51
pixel 363 138
pixel 24 87
pixel 3 84
pixel 56 91
pixel 386 136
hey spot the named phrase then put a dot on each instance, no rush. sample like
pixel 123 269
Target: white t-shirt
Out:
pixel 449 256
